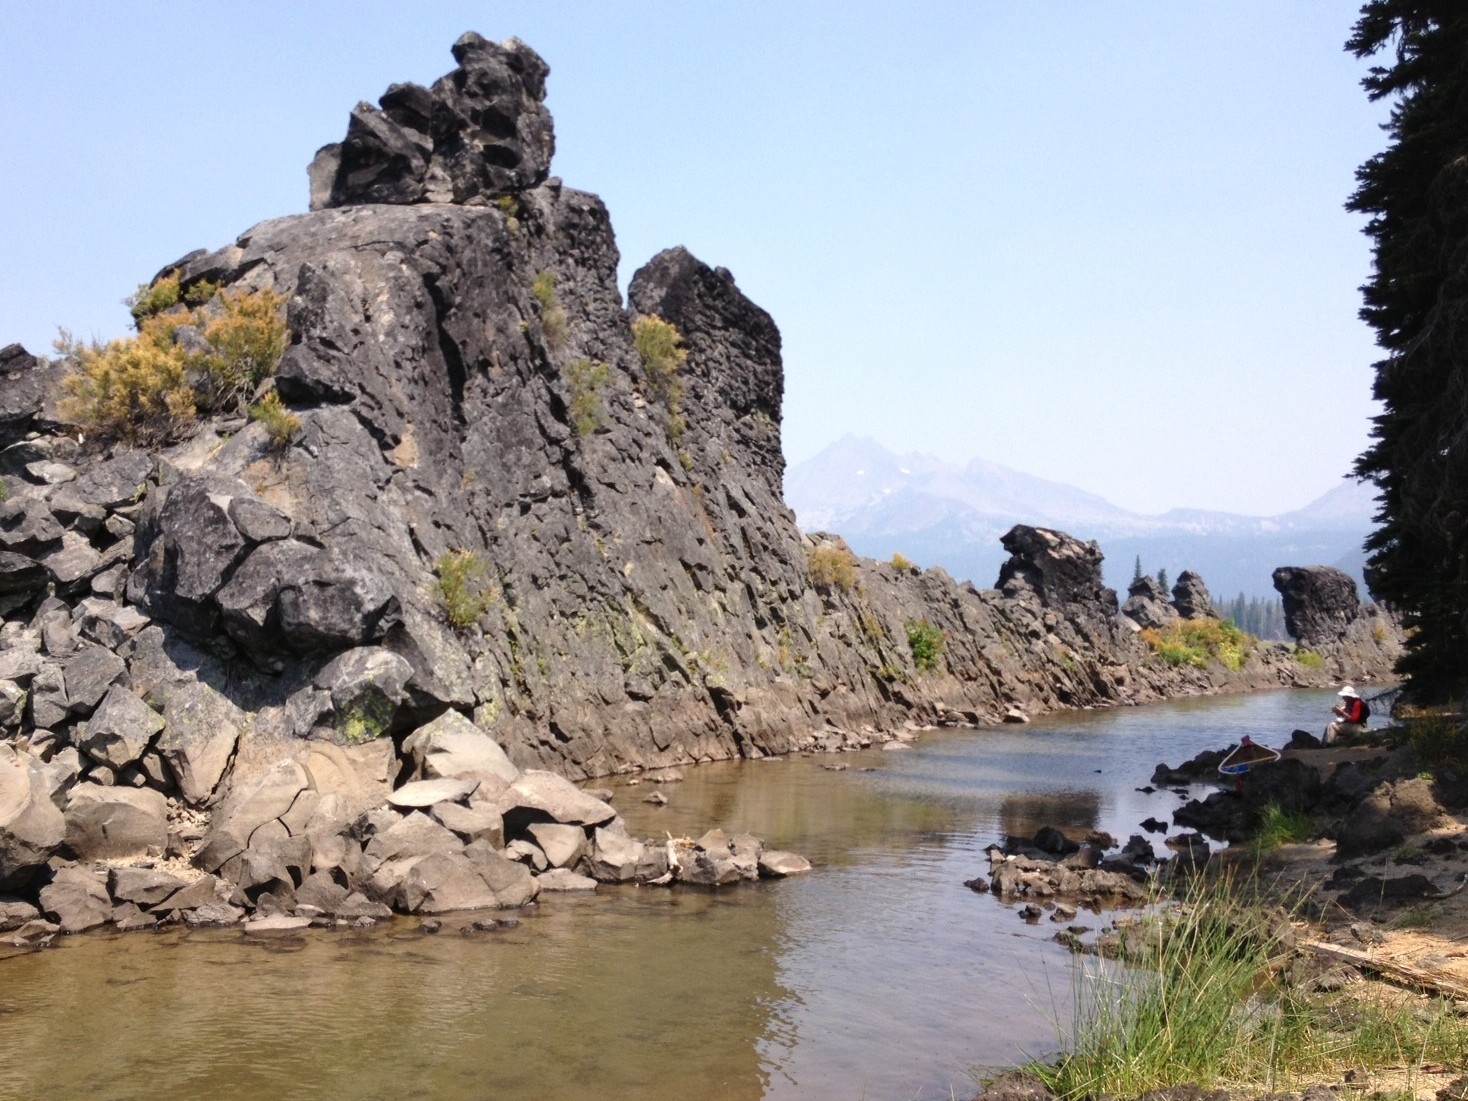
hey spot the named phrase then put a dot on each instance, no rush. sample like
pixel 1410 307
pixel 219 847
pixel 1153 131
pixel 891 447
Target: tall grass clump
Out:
pixel 1278 826
pixel 1201 995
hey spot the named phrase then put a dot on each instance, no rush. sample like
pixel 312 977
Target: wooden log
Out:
pixel 1394 970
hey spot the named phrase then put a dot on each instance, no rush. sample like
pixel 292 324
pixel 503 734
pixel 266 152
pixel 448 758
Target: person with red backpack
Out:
pixel 1351 715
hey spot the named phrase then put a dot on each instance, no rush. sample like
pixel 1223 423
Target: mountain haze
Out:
pixel 940 514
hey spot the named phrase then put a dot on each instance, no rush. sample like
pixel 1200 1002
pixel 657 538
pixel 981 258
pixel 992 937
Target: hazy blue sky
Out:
pixel 1100 243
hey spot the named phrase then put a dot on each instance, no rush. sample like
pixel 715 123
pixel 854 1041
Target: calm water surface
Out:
pixel 879 975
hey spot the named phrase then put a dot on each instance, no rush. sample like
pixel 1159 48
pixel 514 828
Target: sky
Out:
pixel 1103 244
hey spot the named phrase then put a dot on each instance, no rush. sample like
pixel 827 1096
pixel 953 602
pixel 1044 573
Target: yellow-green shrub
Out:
pixel 832 566
pixel 1196 641
pixel 153 298
pixel 660 349
pixel 463 586
pixel 902 563
pixel 151 387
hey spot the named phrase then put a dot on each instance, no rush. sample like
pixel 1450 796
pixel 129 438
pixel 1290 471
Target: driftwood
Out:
pixel 1403 973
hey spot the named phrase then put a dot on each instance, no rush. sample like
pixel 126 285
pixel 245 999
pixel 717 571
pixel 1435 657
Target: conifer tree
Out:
pixel 1415 194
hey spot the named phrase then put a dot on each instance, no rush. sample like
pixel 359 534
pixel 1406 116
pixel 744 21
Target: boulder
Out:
pixel 613 856
pixel 15 912
pixel 20 573
pixel 562 845
pixel 425 793
pixel 541 796
pixel 187 548
pixel 77 900
pixel 26 385
pixel 452 746
pixel 391 853
pixel 1063 572
pixel 564 879
pixel 201 728
pixel 120 730
pixel 207 890
pixel 27 527
pixel 270 796
pixel 777 864
pixel 1387 816
pixel 143 886
pixel 113 823
pixel 276 923
pixel 365 685
pixel 360 775
pixel 511 881
pixel 442 883
pixel 31 826
pixel 115 482
pixel 472 823
pixel 1146 604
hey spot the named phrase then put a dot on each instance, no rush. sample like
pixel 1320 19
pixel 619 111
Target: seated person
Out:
pixel 1351 715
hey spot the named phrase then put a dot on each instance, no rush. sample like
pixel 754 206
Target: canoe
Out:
pixel 1245 756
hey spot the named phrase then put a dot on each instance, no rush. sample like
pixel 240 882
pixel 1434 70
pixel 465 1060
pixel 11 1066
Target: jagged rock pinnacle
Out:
pixel 480 132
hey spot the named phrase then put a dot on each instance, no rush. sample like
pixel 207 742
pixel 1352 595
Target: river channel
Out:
pixel 878 975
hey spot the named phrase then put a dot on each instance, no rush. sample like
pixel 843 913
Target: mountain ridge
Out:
pixel 952 515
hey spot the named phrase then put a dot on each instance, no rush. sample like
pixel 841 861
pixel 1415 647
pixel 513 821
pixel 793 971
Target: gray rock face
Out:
pixel 452 747
pixel 479 132
pixel 1061 571
pixel 25 390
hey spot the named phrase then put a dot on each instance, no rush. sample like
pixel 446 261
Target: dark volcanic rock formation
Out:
pixel 1324 614
pixel 480 132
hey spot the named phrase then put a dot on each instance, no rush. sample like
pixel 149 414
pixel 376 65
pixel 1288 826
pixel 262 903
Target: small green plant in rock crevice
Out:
pixel 586 378
pixel 281 425
pixel 926 642
pixel 463 587
pixel 552 313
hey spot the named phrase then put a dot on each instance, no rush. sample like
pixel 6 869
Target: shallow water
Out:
pixel 878 975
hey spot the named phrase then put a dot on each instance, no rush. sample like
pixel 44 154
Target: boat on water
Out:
pixel 1246 755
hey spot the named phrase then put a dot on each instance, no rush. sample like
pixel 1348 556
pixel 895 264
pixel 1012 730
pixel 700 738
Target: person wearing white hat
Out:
pixel 1351 715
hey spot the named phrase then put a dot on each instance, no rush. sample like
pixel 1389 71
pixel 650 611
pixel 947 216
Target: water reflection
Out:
pixel 1073 812
pixel 879 975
